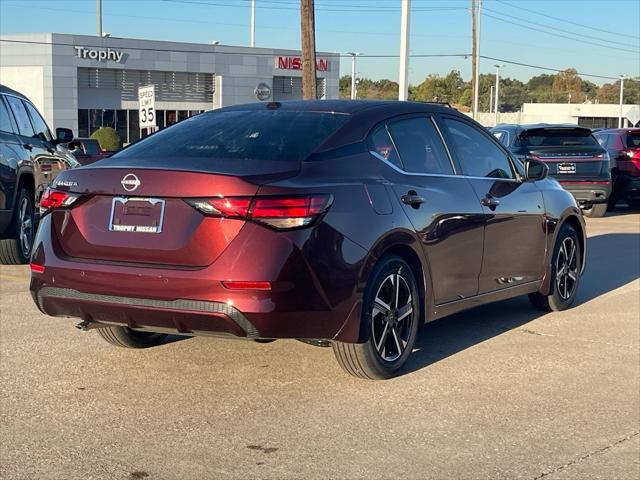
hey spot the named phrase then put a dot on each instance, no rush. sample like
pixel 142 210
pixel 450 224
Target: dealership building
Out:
pixel 84 82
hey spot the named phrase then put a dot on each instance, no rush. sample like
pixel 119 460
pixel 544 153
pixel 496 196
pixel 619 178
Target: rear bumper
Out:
pixel 588 192
pixel 305 301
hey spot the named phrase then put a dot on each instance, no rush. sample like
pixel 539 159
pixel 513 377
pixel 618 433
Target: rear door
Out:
pixel 441 206
pixel 514 236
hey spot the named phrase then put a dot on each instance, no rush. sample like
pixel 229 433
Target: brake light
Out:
pixel 36 268
pixel 56 199
pixel 237 285
pixel 280 212
pixel 632 152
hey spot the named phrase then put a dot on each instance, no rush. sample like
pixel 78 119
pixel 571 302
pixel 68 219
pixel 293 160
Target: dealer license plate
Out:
pixel 566 168
pixel 137 215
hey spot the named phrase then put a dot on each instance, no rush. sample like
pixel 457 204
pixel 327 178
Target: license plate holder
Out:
pixel 566 167
pixel 136 215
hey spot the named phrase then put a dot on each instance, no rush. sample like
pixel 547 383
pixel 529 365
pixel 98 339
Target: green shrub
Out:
pixel 108 138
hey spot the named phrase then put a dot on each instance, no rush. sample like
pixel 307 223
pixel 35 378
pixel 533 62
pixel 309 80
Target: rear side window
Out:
pixel 502 136
pixel 91 147
pixel 420 147
pixel 558 138
pixel 38 122
pixel 477 154
pixel 21 116
pixel 5 119
pixel 633 140
pixel 381 144
pixel 269 135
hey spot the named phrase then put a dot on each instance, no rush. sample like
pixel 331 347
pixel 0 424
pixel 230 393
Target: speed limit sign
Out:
pixel 147 100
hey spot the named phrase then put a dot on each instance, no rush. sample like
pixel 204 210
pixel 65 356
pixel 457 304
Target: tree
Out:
pixel 610 92
pixel 567 86
pixel 435 88
pixel 108 138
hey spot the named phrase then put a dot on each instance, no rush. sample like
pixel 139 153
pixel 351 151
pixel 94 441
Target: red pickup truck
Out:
pixel 87 150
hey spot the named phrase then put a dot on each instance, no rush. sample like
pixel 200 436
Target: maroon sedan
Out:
pixel 342 223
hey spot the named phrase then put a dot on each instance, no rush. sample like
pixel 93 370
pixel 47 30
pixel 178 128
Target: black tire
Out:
pixel 597 210
pixel 17 249
pixel 127 338
pixel 559 299
pixel 364 360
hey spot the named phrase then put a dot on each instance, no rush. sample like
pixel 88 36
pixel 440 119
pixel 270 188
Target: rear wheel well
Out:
pixel 26 180
pixel 411 257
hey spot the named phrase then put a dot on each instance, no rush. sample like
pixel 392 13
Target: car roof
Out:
pixel 6 90
pixel 353 107
pixel 620 130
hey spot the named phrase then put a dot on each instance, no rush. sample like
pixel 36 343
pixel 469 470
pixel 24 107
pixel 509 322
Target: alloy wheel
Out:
pixel 25 218
pixel 567 268
pixel 391 317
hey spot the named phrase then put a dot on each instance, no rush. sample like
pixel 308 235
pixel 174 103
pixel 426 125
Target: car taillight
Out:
pixel 56 199
pixel 280 212
pixel 632 153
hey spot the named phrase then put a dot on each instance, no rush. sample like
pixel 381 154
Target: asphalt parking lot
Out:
pixel 502 391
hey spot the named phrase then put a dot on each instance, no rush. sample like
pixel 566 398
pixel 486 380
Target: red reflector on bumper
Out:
pixel 247 285
pixel 35 268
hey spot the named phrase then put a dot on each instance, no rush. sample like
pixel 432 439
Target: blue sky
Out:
pixel 600 37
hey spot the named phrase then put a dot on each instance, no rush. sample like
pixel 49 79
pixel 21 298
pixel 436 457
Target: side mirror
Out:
pixel 63 135
pixel 535 170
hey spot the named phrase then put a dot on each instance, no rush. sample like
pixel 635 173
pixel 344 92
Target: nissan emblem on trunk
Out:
pixel 130 182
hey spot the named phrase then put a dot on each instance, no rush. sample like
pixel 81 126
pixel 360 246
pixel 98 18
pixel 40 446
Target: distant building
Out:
pixel 84 82
pixel 591 115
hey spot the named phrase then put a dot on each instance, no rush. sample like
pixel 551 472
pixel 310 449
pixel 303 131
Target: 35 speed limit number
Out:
pixel 147 100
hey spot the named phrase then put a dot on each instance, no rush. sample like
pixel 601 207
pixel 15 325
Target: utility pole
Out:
pixel 497 92
pixel 99 17
pixel 474 38
pixel 621 100
pixel 403 90
pixel 308 28
pixel 252 43
pixel 353 74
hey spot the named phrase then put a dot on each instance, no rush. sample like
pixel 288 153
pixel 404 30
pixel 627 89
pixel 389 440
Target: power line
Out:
pixel 341 55
pixel 511 22
pixel 564 20
pixel 550 69
pixel 590 37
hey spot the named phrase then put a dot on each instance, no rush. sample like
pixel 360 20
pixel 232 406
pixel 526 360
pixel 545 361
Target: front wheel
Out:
pixel 565 273
pixel 390 317
pixel 17 250
pixel 127 338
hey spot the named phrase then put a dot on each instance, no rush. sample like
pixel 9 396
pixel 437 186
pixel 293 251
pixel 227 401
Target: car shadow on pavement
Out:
pixel 613 260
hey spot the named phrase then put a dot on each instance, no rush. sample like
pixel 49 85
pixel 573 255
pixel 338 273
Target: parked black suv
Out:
pixel 29 160
pixel 574 156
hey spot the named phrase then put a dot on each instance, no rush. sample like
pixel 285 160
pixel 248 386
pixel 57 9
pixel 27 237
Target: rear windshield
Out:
pixel 633 140
pixel 267 135
pixel 92 147
pixel 559 138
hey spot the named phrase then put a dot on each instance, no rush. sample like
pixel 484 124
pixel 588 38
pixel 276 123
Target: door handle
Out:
pixel 490 202
pixel 28 146
pixel 412 199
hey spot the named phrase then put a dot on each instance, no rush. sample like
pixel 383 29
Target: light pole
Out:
pixel 497 91
pixel 253 24
pixel 621 100
pixel 476 73
pixel 99 17
pixel 491 99
pixel 403 90
pixel 353 73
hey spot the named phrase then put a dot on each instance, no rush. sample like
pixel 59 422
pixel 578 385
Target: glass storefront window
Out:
pixel 83 123
pixel 160 119
pixel 172 117
pixel 134 126
pixel 121 125
pixel 183 115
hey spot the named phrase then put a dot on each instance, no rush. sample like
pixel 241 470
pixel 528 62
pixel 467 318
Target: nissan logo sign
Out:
pixel 130 182
pixel 263 92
